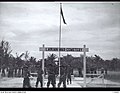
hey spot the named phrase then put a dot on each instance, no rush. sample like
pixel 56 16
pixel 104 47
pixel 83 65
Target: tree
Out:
pixel 114 64
pixel 68 59
pixel 19 64
pixel 98 61
pixel 51 58
pixel 26 55
pixel 19 60
pixel 32 64
pixel 5 52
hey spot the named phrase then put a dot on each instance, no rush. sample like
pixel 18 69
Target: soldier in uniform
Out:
pixel 3 71
pixel 69 71
pixel 105 71
pixel 92 71
pixel 102 70
pixel 63 75
pixel 39 77
pixel 26 81
pixel 51 75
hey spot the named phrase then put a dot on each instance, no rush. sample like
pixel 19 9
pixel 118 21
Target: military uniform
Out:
pixel 26 81
pixel 69 71
pixel 51 76
pixel 39 78
pixel 63 75
pixel 102 70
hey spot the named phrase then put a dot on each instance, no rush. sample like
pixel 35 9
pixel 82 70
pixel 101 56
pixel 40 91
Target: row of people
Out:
pixel 65 76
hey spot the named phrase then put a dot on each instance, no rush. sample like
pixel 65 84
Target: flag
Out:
pixel 62 16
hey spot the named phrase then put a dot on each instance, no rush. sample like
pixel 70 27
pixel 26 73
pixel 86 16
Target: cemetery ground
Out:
pixel 111 80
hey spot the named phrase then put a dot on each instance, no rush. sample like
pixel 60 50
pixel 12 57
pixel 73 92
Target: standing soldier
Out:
pixel 3 72
pixel 63 75
pixel 105 71
pixel 92 71
pixel 26 81
pixel 0 69
pixel 102 70
pixel 39 77
pixel 69 71
pixel 51 75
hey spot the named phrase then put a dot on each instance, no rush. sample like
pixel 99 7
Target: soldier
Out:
pixel 63 75
pixel 51 75
pixel 69 74
pixel 102 70
pixel 39 77
pixel 26 81
pixel 92 71
pixel 0 69
pixel 3 72
pixel 105 71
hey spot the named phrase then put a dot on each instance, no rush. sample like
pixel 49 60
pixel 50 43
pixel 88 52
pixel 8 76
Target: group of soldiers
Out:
pixel 65 76
pixel 52 72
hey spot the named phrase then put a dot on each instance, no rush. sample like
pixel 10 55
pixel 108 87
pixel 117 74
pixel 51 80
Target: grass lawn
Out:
pixel 113 76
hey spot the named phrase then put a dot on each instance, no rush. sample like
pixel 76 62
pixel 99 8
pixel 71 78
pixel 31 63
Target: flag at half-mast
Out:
pixel 61 12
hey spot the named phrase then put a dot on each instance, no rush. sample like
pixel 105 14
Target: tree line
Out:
pixel 15 64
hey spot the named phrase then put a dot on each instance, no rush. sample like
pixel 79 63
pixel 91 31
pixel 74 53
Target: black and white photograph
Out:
pixel 59 45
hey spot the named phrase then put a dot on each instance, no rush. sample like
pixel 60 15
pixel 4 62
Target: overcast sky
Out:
pixel 29 25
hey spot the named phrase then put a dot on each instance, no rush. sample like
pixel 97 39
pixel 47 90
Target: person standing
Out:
pixel 69 71
pixel 51 75
pixel 102 70
pixel 39 77
pixel 26 81
pixel 92 71
pixel 3 72
pixel 105 71
pixel 63 75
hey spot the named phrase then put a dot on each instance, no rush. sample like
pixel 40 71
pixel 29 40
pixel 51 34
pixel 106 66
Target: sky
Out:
pixel 27 26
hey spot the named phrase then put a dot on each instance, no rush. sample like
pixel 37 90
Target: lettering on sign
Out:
pixel 65 49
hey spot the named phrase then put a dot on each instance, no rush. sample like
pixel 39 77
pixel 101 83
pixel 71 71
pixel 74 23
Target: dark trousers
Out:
pixel 41 82
pixel 92 73
pixel 51 79
pixel 26 83
pixel 3 73
pixel 62 79
pixel 68 79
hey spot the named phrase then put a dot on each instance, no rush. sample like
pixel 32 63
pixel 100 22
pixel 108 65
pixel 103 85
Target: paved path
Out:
pixel 77 82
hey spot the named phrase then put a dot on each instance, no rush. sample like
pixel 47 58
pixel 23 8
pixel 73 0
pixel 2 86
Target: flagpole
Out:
pixel 59 39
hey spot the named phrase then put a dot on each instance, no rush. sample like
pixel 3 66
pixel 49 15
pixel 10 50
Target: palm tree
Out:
pixel 51 58
pixel 26 55
pixel 19 64
pixel 32 63
pixel 5 52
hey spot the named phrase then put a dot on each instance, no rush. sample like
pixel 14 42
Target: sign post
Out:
pixel 51 49
pixel 43 51
pixel 84 62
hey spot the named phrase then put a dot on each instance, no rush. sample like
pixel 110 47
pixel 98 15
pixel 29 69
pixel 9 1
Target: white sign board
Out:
pixel 64 49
